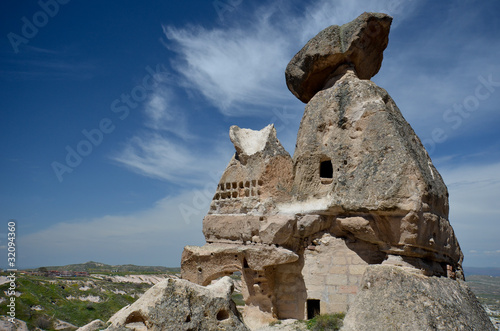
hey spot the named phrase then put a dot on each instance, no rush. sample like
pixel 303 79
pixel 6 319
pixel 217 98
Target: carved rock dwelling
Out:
pixel 360 190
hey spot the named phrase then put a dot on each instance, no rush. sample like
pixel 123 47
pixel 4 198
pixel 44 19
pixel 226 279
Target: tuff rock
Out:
pixel 358 44
pixel 7 325
pixel 357 158
pixel 397 299
pixel 258 175
pixel 360 191
pixel 95 325
pixel 176 304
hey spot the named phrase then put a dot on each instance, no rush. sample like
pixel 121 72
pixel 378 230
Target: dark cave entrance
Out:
pixel 312 308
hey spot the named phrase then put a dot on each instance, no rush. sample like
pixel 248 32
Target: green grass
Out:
pixel 52 294
pixel 238 299
pixel 330 322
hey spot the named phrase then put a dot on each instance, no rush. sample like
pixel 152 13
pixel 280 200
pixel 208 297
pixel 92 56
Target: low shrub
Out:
pixel 43 322
pixel 326 322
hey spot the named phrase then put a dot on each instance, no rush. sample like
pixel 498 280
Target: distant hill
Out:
pixel 470 271
pixel 97 267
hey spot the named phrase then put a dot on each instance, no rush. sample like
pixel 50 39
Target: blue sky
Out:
pixel 115 115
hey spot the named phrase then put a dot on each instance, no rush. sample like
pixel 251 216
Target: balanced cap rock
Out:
pixel 359 44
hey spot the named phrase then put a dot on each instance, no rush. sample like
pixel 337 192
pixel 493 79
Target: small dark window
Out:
pixel 326 169
pixel 312 308
pixel 245 264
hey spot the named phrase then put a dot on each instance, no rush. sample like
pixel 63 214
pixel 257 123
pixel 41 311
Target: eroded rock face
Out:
pixel 95 325
pixel 258 175
pixel 360 190
pixel 7 325
pixel 176 304
pixel 358 44
pixel 204 264
pixel 396 299
pixel 358 158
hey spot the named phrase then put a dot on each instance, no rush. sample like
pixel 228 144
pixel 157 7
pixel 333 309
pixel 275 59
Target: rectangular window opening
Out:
pixel 326 169
pixel 312 308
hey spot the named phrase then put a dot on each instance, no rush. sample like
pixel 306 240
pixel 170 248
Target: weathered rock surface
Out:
pixel 258 175
pixel 358 158
pixel 204 264
pixel 359 44
pixel 395 299
pixel 360 190
pixel 93 326
pixel 181 305
pixel 6 325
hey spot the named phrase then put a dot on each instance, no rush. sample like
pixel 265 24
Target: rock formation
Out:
pixel 95 325
pixel 359 43
pixel 394 299
pixel 175 304
pixel 7 325
pixel 360 190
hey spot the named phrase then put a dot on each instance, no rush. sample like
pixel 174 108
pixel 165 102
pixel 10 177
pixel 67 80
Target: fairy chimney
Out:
pixel 360 190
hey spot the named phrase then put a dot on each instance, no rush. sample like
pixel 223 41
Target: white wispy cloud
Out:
pixel 153 155
pixel 163 149
pixel 240 69
pixel 232 68
pixel 153 236
pixel 163 113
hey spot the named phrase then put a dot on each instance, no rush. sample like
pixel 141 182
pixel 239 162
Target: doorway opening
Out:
pixel 312 308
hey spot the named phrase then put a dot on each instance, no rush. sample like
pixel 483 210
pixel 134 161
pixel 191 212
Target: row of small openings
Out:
pixel 235 185
pixel 235 194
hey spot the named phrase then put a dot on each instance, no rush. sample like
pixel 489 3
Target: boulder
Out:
pixel 358 44
pixel 7 325
pixel 176 304
pixel 95 325
pixel 397 299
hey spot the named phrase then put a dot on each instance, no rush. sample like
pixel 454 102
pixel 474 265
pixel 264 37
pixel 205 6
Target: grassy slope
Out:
pixel 52 296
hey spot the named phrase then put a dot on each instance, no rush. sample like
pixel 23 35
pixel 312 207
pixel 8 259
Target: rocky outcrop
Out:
pixel 357 158
pixel 7 325
pixel 359 191
pixel 397 299
pixel 95 325
pixel 204 264
pixel 175 304
pixel 358 44
pixel 258 175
